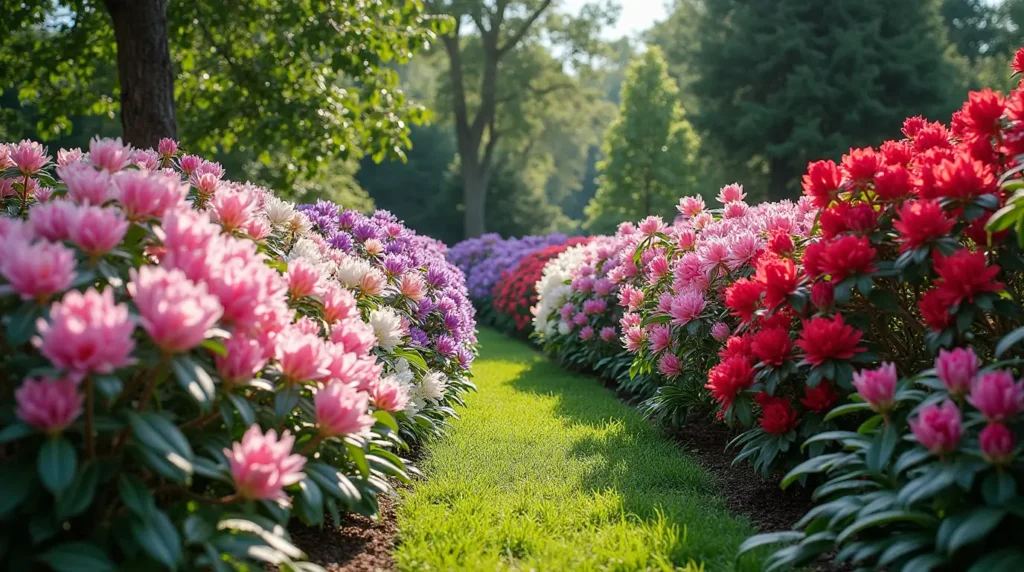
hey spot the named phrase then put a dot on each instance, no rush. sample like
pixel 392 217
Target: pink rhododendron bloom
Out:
pixel 731 193
pixel 52 220
pixel 14 230
pixel 175 311
pixel 66 157
pixel 658 268
pixel 262 465
pixel 257 227
pixel 191 241
pixel 87 333
pixel 37 270
pixel 997 396
pixel 634 338
pixel 691 206
pixel 43 194
pixel 373 282
pixel 354 335
pixel 146 159
pixel 306 325
pixel 29 157
pixel 373 247
pixel 630 319
pixel 248 289
pixel 997 443
pixel 607 333
pixel 603 287
pixel 720 331
pixel 109 154
pixel 413 287
pixel 957 369
pixel 938 427
pixel 670 365
pixel 355 370
pixel 702 220
pixel 388 395
pixel 7 188
pixel 245 357
pixel 734 210
pixel 302 357
pixel 147 194
pixel 302 277
pixel 167 147
pixel 686 307
pixel 205 183
pixel 586 333
pixel 877 386
pixel 210 167
pixel 579 319
pixel 339 303
pixel 49 405
pixel 341 410
pixel 85 184
pixel 189 163
pixel 660 337
pixel 651 225
pixel 233 206
pixel 597 306
pixel 98 230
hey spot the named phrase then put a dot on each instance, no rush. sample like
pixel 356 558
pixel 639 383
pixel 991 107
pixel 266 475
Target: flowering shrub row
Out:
pixel 187 362
pixel 797 320
pixel 515 294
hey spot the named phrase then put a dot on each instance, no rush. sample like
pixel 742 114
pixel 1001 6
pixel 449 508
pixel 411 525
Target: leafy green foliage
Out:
pixel 651 152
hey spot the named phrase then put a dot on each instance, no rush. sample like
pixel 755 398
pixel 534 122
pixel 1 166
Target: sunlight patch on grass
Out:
pixel 549 471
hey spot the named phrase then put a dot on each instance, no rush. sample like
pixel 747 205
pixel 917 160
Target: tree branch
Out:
pixel 539 91
pixel 518 36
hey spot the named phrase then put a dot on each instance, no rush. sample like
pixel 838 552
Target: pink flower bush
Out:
pixel 97 231
pixel 997 443
pixel 37 270
pixel 877 387
pixel 302 357
pixel 938 427
pixel 957 369
pixel 263 464
pixel 997 396
pixel 147 194
pixel 87 333
pixel 85 184
pixel 388 395
pixel 49 405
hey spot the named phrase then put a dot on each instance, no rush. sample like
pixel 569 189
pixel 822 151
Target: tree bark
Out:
pixel 474 197
pixel 144 70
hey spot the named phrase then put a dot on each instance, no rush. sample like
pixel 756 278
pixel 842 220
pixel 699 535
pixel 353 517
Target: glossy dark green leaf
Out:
pixel 194 380
pixel 57 463
pixel 77 557
pixel 158 538
pixel 80 493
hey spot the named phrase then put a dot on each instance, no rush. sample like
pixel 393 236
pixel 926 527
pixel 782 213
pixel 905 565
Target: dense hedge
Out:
pixel 187 363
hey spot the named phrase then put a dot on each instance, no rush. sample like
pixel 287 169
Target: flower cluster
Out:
pixel 177 340
pixel 515 294
pixel 484 259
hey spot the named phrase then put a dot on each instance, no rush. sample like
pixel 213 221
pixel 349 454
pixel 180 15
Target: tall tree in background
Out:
pixel 299 79
pixel 651 152
pixel 794 80
pixel 493 30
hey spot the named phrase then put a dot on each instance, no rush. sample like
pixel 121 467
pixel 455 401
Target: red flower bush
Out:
pixel 516 291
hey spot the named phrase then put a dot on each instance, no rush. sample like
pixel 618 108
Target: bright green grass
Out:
pixel 547 471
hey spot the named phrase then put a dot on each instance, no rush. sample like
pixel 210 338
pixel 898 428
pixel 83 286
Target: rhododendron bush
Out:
pixel 515 294
pixel 188 362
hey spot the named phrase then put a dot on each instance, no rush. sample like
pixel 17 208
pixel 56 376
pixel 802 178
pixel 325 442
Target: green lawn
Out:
pixel 547 470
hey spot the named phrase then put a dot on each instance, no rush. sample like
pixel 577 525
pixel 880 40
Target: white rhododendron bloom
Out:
pixel 552 290
pixel 387 325
pixel 350 271
pixel 433 385
pixel 279 212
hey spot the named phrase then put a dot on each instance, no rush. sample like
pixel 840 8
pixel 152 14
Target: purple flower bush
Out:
pixel 483 259
pixel 187 363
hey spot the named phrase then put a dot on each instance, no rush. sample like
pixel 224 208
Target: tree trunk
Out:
pixel 144 70
pixel 474 197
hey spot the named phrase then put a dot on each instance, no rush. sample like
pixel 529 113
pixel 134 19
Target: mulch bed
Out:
pixel 360 544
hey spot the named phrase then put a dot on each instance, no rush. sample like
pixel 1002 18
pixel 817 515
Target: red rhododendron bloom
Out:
pixel 962 178
pixel 935 310
pixel 780 319
pixel 777 416
pixel 779 278
pixel 981 113
pixel 821 182
pixel 822 295
pixel 930 136
pixel 893 182
pixel 780 243
pixel 848 256
pixel 736 346
pixel 820 399
pixel 727 379
pixel 920 222
pixel 742 298
pixel 964 274
pixel 896 153
pixel 772 346
pixel 814 259
pixel 823 339
pixel 860 165
pixel 1018 62
pixel 912 125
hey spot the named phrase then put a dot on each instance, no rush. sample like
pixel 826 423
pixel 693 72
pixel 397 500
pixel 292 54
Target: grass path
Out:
pixel 548 471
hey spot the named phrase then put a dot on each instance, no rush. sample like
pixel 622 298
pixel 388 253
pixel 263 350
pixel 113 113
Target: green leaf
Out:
pixel 975 526
pixel 885 517
pixel 1005 560
pixel 759 540
pixel 387 419
pixel 812 465
pixel 157 536
pixel 136 495
pixel 999 488
pixel 15 484
pixel 215 347
pixel 881 448
pixel 21 324
pixel 15 431
pixel 333 482
pixel 413 357
pixel 57 463
pixel 79 495
pixel 846 410
pixel 243 408
pixel 285 401
pixel 1009 340
pixel 194 380
pixel 109 385
pixel 162 446
pixel 77 557
pixel 197 529
pixel 310 502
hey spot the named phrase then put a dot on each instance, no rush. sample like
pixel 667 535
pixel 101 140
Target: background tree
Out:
pixel 651 152
pixel 486 35
pixel 300 81
pixel 793 80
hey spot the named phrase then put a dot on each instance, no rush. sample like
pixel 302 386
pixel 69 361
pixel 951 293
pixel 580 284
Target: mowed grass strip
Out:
pixel 547 470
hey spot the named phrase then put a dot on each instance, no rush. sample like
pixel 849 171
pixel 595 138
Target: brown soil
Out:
pixel 360 544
